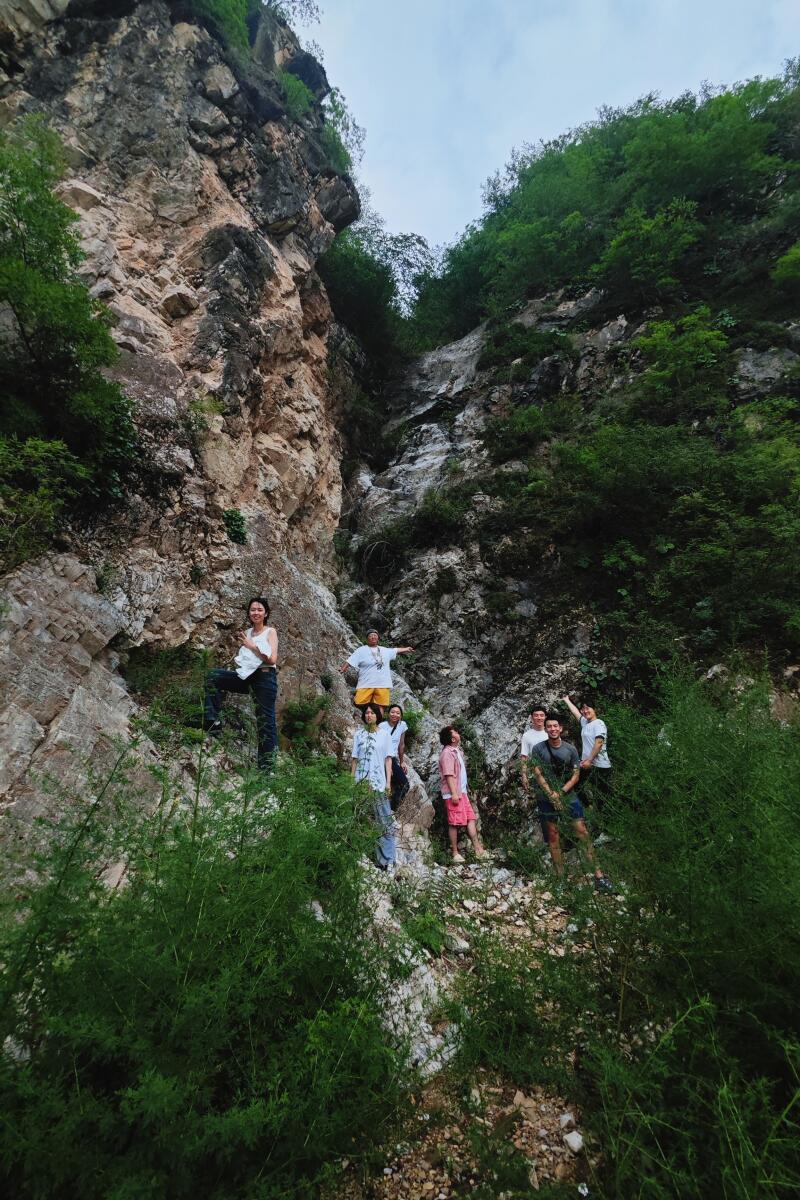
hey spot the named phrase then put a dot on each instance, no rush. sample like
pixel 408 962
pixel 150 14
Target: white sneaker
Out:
pixel 458 858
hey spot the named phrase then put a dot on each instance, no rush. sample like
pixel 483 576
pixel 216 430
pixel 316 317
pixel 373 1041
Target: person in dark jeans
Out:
pixel 256 672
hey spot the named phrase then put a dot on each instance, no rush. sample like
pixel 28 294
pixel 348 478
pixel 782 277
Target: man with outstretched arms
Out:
pixel 372 662
pixel 557 769
pixel 530 738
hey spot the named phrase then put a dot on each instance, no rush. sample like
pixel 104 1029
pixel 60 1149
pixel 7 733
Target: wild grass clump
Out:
pixel 211 1026
pixel 672 1017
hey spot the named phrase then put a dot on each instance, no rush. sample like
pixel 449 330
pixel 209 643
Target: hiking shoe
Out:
pixel 212 728
pixel 603 884
pixel 457 858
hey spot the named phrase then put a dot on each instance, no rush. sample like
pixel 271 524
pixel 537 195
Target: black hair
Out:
pixel 258 600
pixel 376 708
pixel 446 735
pixel 538 708
pixel 590 700
pixel 389 708
pixel 554 716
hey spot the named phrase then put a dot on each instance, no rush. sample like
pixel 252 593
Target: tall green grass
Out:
pixel 675 1027
pixel 211 1026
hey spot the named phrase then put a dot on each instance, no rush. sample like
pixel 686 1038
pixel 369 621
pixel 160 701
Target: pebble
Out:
pixel 574 1140
pixel 566 1119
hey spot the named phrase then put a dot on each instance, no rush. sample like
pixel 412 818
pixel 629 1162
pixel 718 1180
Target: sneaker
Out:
pixel 483 854
pixel 458 858
pixel 212 728
pixel 603 884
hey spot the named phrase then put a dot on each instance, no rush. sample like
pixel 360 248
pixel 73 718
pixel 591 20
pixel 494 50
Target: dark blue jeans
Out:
pixel 263 685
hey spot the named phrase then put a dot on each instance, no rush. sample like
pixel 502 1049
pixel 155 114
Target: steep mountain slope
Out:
pixel 203 207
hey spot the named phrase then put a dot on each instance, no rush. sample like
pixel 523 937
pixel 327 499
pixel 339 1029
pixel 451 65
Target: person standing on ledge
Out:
pixel 372 661
pixel 530 738
pixel 453 777
pixel 595 763
pixel 557 770
pixel 256 672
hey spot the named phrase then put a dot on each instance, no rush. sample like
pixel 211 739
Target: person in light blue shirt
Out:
pixel 371 762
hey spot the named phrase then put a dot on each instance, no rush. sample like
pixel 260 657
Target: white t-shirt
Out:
pixel 531 738
pixel 247 661
pixel 372 664
pixel 372 750
pixel 394 734
pixel 589 731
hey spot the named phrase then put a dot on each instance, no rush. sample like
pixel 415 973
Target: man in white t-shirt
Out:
pixel 530 738
pixel 372 662
pixel 595 763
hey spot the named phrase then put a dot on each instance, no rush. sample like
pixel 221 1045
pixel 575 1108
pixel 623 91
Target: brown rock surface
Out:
pixel 202 221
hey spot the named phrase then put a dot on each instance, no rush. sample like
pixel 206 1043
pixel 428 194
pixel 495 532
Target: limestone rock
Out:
pixel 220 84
pixel 760 372
pixel 178 301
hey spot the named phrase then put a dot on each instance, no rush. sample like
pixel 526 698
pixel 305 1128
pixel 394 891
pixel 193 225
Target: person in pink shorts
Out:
pixel 453 776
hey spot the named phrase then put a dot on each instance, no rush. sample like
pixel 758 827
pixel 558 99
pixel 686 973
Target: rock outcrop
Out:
pixel 484 652
pixel 203 208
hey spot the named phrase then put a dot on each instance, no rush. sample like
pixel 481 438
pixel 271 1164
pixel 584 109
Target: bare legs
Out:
pixel 472 834
pixel 582 833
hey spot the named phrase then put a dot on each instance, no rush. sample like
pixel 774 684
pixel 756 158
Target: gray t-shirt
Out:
pixel 558 768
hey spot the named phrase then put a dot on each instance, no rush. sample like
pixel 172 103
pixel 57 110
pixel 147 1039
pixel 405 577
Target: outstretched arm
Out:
pixel 572 708
pixel 404 649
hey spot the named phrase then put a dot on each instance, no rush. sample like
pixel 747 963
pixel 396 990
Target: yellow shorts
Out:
pixel 372 696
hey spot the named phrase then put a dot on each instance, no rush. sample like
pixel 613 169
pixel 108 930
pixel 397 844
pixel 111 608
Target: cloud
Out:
pixel 446 88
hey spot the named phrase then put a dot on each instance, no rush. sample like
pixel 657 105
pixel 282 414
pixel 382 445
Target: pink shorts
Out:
pixel 459 811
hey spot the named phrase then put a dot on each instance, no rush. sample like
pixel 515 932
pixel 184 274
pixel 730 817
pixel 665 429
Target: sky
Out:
pixel 447 88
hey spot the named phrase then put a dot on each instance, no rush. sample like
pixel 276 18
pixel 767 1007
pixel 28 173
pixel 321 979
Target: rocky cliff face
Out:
pixel 203 208
pixel 476 660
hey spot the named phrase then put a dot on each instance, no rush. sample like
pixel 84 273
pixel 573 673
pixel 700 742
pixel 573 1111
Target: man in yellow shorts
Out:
pixel 374 673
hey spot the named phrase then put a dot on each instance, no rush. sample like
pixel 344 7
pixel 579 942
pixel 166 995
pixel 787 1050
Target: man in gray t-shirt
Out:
pixel 556 768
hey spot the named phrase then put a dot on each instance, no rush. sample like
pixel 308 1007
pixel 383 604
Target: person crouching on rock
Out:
pixel 453 777
pixel 396 728
pixel 371 760
pixel 256 672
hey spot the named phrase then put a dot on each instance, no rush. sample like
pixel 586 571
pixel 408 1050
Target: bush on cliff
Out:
pixel 66 434
pixel 211 1026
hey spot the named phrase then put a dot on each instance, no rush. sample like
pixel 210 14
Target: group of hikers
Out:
pixel 378 750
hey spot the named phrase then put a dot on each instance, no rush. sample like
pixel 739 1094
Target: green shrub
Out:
pixel 298 97
pixel 67 434
pixel 517 435
pixel 786 271
pixel 342 136
pixel 235 525
pixel 688 368
pixel 38 481
pixel 227 19
pixel 513 342
pixel 643 260
pixel 211 1027
pixel 445 583
pixel 170 681
pixel 672 1017
pixel 301 722
pixel 413 718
